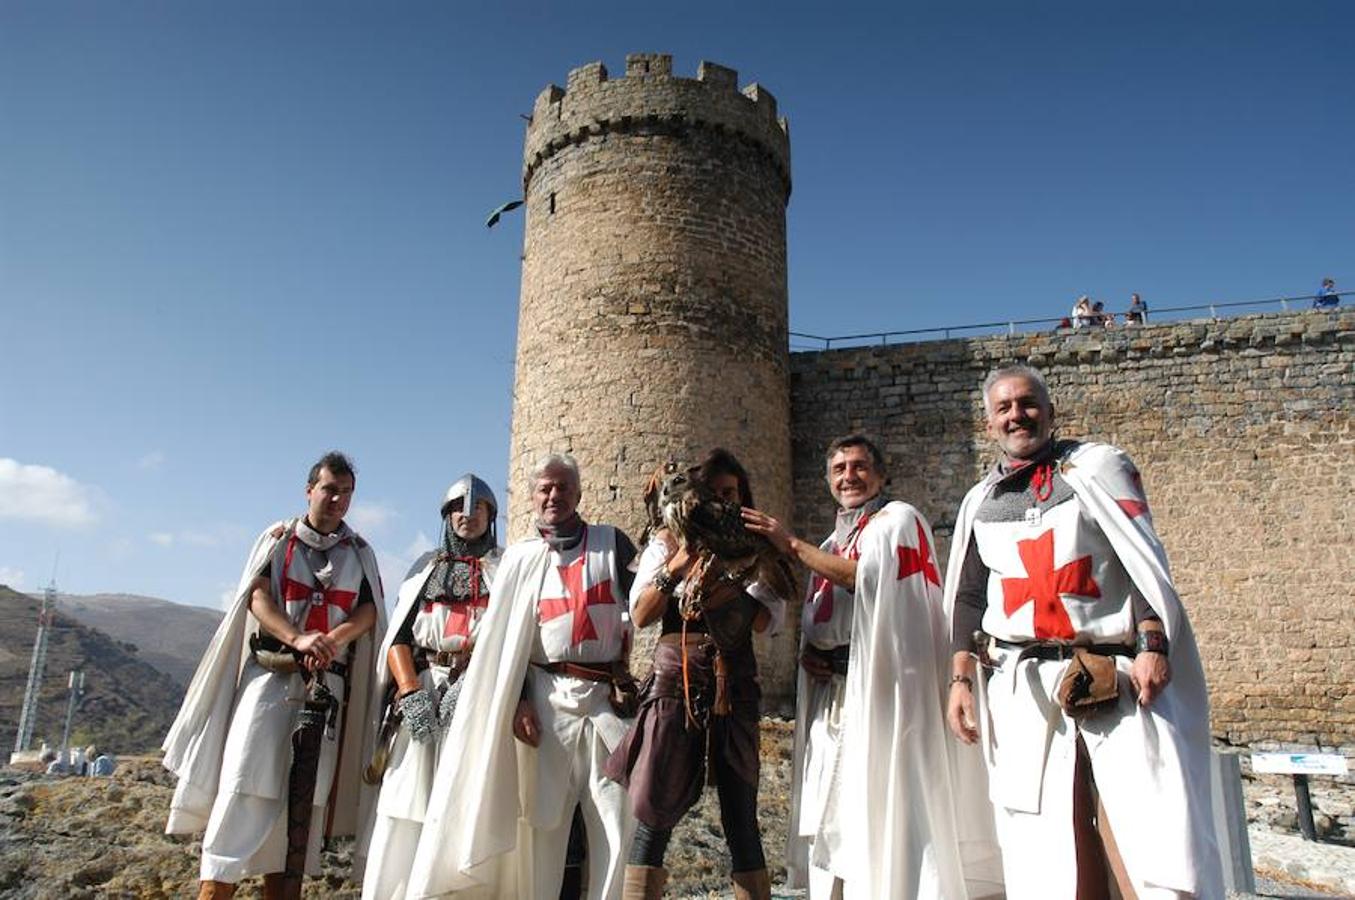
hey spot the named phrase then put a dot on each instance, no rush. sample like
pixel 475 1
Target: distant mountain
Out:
pixel 128 703
pixel 169 636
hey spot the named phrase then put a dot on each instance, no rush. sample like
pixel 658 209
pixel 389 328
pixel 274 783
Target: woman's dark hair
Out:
pixel 721 462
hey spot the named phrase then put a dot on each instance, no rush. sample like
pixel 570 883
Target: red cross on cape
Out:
pixel 1044 586
pixel 577 600
pixel 919 559
pixel 1136 504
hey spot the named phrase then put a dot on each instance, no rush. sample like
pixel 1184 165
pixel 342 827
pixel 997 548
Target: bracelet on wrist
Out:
pixel 962 679
pixel 665 582
pixel 1151 641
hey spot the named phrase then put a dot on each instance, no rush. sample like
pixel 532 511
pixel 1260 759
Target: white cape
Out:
pixel 1178 831
pixel 195 742
pixel 408 595
pixel 476 836
pixel 909 803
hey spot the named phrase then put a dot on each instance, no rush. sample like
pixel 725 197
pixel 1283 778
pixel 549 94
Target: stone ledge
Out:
pixel 1243 335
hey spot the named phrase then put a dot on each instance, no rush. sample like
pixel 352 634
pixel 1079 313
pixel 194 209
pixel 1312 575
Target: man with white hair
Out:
pixel 1092 683
pixel 535 722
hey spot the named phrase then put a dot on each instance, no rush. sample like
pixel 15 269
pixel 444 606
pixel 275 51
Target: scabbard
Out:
pixel 307 742
pixel 390 729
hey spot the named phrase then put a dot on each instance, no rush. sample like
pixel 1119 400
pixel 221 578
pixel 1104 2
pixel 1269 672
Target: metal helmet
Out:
pixel 474 489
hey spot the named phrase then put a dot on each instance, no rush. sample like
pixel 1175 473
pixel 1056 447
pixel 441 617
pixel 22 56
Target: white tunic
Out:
pixel 492 793
pixel 1151 765
pixel 385 852
pixel 216 745
pixel 896 816
pixel 581 615
pixel 825 623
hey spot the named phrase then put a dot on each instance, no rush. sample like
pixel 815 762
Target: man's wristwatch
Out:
pixel 962 679
pixel 1151 641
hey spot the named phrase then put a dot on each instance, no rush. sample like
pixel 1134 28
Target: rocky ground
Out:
pixel 75 838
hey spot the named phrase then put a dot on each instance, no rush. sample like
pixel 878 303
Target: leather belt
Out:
pixel 456 660
pixel 588 671
pixel 1059 650
pixel 837 657
pixel 678 639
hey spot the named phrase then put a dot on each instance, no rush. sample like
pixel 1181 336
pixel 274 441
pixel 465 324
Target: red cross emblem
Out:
pixel 461 614
pixel 317 615
pixel 1136 505
pixel 919 559
pixel 577 600
pixel 1044 584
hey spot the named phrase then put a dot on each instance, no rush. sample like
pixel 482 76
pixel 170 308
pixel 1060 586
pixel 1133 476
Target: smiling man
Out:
pixel 1092 683
pixel 303 630
pixel 535 721
pixel 878 798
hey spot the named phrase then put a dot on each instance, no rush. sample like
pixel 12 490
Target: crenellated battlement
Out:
pixel 650 99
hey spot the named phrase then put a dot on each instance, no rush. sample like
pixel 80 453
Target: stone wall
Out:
pixel 1242 429
pixel 653 316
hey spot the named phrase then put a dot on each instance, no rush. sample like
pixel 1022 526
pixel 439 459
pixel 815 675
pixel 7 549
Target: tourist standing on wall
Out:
pixel 1082 312
pixel 1091 677
pixel 881 800
pixel 1327 297
pixel 535 722
pixel 302 633
pixel 436 620
pixel 687 732
pixel 1137 313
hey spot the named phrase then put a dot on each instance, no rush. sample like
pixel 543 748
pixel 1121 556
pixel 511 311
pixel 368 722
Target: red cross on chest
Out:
pixel 320 599
pixel 1044 584
pixel 914 560
pixel 317 614
pixel 577 600
pixel 461 613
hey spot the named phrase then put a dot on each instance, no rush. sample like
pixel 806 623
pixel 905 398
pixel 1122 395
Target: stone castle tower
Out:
pixel 653 317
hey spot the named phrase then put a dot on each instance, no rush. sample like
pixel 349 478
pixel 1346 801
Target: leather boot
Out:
pixel 215 890
pixel 644 883
pixel 752 885
pixel 275 886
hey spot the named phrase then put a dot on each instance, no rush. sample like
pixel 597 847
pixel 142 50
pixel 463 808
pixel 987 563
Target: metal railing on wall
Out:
pixel 1156 315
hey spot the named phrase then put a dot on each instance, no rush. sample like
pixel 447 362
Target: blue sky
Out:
pixel 233 235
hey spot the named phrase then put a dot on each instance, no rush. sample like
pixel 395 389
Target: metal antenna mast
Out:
pixel 29 715
pixel 76 684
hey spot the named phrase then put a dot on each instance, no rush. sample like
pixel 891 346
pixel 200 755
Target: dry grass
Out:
pixel 75 838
